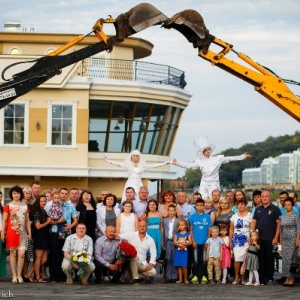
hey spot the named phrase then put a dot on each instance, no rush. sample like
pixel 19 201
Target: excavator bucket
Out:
pixel 137 19
pixel 190 23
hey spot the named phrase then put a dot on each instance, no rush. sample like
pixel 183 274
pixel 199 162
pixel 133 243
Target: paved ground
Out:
pixel 149 291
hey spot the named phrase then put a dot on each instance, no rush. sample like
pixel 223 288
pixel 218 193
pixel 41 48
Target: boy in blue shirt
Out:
pixel 200 224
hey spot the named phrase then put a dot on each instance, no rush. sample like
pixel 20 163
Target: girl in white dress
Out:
pixel 127 221
pixel 135 166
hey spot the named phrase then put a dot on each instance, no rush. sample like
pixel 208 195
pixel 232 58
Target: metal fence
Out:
pixel 131 70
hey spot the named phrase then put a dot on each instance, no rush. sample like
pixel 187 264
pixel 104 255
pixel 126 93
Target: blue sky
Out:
pixel 222 107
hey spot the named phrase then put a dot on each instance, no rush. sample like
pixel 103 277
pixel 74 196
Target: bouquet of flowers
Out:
pixel 81 259
pixel 125 252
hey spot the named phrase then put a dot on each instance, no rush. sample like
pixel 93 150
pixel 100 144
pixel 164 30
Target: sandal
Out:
pixel 20 280
pixel 29 278
pixel 14 280
pixel 41 280
pixel 178 281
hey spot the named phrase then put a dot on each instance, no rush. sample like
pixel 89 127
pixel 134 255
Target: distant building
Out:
pixel 280 172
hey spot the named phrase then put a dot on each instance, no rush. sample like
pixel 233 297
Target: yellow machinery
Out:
pixel 189 23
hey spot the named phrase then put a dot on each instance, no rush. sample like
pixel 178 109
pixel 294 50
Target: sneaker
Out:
pixel 204 280
pixel 256 284
pixel 223 281
pixel 270 282
pixel 218 282
pixel 211 282
pixel 195 279
pixel 248 283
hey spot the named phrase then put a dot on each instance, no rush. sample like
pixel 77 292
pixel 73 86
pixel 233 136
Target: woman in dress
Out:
pixel 289 239
pixel 86 208
pixel 28 199
pixel 127 221
pixel 154 224
pixel 168 197
pixel 135 166
pixel 107 213
pixel 40 235
pixel 15 231
pixel 2 248
pixel 223 214
pixel 238 237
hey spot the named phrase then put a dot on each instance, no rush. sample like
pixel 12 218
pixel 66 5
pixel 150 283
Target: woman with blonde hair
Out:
pixel 223 214
pixel 135 165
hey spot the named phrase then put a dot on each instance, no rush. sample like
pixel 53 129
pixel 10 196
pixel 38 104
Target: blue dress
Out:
pixel 153 229
pixel 181 255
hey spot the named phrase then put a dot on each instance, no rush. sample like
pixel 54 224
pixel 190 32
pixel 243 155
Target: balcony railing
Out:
pixel 131 70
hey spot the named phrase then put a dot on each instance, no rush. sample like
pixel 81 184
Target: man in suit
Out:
pixel 170 225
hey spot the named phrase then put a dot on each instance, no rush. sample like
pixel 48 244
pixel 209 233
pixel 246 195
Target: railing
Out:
pixel 131 70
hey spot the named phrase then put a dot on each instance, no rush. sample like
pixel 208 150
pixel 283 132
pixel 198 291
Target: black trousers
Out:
pixel 102 270
pixel 266 262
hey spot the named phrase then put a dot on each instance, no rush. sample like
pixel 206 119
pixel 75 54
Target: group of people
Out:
pixel 199 242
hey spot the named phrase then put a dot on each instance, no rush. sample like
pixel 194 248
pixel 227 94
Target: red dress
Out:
pixel 16 231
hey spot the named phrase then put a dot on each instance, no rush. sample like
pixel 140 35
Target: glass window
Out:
pixel 119 126
pixel 62 125
pixel 14 124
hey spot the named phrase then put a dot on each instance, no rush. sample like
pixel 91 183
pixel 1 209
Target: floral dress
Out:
pixel 16 231
pixel 240 235
pixel 289 228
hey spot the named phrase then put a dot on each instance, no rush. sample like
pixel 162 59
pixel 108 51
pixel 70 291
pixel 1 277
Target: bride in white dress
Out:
pixel 135 166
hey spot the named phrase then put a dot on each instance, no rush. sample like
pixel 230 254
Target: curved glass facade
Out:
pixel 120 126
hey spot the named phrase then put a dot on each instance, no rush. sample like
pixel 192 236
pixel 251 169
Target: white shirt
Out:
pixel 141 247
pixel 171 228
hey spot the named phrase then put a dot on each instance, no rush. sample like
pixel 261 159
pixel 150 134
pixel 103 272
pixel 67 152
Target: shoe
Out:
pixel 136 282
pixel 106 279
pixel 211 282
pixel 248 283
pixel 20 280
pixel 195 279
pixel 256 284
pixel 178 281
pixel 281 280
pixel 218 282
pixel 97 281
pixel 14 280
pixel 152 280
pixel 223 281
pixel 204 280
pixel 187 282
pixel 41 280
pixel 270 282
pixel 69 281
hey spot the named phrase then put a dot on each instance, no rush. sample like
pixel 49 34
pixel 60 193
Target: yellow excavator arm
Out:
pixel 190 23
pixel 266 83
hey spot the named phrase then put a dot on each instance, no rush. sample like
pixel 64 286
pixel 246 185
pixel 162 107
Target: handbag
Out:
pixel 243 266
pixel 30 250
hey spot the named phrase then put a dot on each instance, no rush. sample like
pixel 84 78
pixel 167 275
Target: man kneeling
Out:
pixel 78 241
pixel 143 243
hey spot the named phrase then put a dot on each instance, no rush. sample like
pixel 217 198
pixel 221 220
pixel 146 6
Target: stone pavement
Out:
pixel 153 291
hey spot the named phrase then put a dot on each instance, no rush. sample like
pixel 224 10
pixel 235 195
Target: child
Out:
pixel 170 225
pixel 182 239
pixel 56 211
pixel 226 256
pixel 200 224
pixel 210 210
pixel 252 258
pixel 214 255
